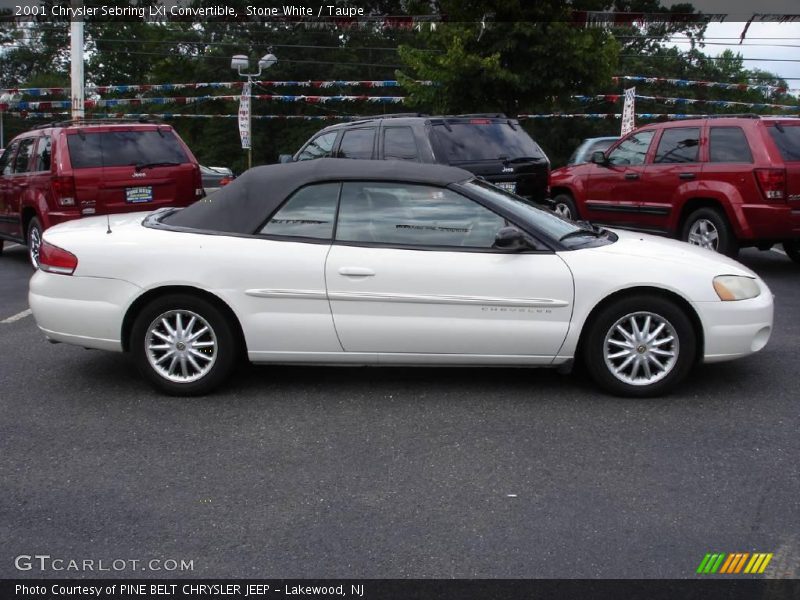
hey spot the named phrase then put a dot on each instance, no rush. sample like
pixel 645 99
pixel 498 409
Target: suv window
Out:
pixel 43 154
pixel 728 144
pixel 678 145
pixel 6 165
pixel 23 160
pixel 319 147
pixel 633 150
pixel 399 144
pixel 357 143
pixel 414 215
pixel 483 139
pixel 787 139
pixel 120 148
pixel 309 213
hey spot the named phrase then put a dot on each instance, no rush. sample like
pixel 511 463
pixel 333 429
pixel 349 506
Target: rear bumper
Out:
pixel 773 222
pixel 736 329
pixel 85 311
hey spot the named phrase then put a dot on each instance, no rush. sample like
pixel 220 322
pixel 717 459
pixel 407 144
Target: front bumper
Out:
pixel 85 311
pixel 738 328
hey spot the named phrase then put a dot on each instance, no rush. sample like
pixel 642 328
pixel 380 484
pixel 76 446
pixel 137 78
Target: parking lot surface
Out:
pixel 377 472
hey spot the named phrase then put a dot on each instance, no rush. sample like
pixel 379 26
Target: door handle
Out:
pixel 631 176
pixel 356 272
pixel 687 175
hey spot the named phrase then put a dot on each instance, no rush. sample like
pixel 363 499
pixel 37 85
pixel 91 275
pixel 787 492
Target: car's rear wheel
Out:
pixel 792 250
pixel 708 228
pixel 2 243
pixel 640 346
pixel 34 241
pixel 564 206
pixel 183 345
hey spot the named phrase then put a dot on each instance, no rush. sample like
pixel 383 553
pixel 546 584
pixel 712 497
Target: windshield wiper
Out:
pixel 578 232
pixel 520 159
pixel 143 165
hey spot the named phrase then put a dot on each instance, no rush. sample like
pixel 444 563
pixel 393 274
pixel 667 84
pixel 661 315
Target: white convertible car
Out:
pixel 388 263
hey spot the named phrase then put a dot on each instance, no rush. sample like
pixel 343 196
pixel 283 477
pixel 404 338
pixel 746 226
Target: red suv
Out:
pixel 64 171
pixel 720 183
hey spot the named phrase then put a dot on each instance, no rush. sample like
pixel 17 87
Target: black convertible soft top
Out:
pixel 245 203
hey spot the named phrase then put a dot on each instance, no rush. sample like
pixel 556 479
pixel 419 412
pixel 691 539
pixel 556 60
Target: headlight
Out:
pixel 735 287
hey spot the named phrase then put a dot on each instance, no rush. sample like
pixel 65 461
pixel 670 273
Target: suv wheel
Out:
pixel 34 237
pixel 564 206
pixel 640 346
pixel 708 228
pixel 183 345
pixel 792 250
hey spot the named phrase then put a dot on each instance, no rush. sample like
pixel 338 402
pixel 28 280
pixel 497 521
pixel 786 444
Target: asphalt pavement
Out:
pixel 395 472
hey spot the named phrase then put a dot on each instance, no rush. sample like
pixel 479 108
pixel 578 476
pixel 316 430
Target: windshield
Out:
pixel 482 139
pixel 570 234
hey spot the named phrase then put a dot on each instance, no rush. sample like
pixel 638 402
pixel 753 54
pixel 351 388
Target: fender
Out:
pixel 726 195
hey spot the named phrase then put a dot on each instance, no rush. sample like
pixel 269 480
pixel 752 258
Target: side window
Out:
pixel 678 145
pixel 729 144
pixel 319 147
pixel 633 150
pixel 357 143
pixel 309 213
pixel 399 144
pixel 43 154
pixel 23 159
pixel 6 162
pixel 414 215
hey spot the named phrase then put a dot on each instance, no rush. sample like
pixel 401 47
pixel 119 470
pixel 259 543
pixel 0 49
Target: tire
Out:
pixel 564 206
pixel 792 250
pixel 2 243
pixel 607 349
pixel 214 356
pixel 33 239
pixel 709 228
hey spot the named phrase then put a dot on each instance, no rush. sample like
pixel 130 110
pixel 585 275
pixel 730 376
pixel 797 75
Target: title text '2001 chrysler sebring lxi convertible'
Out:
pixel 389 263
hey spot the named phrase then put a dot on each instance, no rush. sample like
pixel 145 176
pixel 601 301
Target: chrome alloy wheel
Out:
pixel 641 348
pixel 34 245
pixel 562 210
pixel 704 233
pixel 181 346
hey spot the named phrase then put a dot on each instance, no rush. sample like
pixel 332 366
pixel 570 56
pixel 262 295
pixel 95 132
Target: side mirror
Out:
pixel 599 158
pixel 285 158
pixel 512 239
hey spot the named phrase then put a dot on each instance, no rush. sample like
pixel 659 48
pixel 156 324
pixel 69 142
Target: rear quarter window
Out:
pixel 120 148
pixel 787 139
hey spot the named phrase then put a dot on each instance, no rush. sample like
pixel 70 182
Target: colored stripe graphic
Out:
pixel 734 563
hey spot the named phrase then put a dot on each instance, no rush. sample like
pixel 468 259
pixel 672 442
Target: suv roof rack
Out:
pixel 734 116
pixel 74 122
pixel 484 115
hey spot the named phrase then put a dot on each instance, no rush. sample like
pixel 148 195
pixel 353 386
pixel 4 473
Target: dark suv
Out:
pixel 493 147
pixel 721 183
pixel 64 171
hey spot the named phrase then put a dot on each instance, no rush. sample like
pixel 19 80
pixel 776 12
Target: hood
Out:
pixel 661 250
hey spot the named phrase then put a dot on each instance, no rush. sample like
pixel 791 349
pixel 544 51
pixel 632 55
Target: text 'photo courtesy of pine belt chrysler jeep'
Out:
pixel 491 146
pixel 64 171
pixel 720 183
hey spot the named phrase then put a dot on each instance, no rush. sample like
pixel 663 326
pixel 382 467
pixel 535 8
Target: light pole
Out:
pixel 239 63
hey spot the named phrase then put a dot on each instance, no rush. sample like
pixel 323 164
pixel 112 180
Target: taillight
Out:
pixel 772 183
pixel 64 190
pixel 225 181
pixel 56 260
pixel 480 121
pixel 199 192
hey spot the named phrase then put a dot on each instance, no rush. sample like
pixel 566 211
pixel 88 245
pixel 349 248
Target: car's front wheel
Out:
pixel 640 346
pixel 183 345
pixel 34 241
pixel 792 250
pixel 564 206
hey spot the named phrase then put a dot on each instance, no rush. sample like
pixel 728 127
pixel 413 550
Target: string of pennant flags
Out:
pixel 522 117
pixel 169 87
pixel 382 83
pixel 688 101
